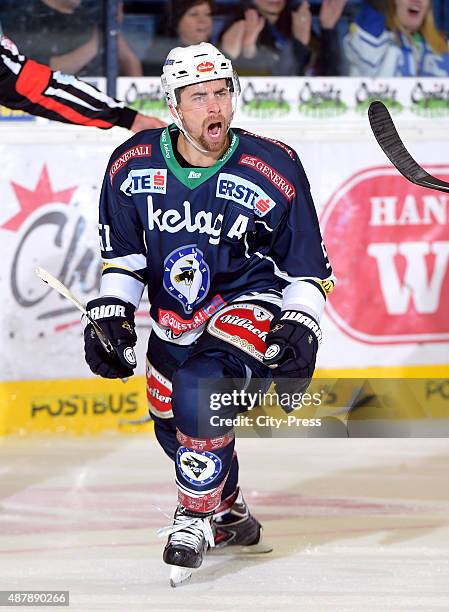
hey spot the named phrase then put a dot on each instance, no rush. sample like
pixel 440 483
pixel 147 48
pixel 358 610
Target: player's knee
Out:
pixel 196 386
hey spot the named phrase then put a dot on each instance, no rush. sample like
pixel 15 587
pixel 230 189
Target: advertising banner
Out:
pixel 48 218
pixel 283 99
pixel 387 239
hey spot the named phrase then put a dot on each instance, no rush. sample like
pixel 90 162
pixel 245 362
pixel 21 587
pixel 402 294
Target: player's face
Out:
pixel 206 111
pixel 195 25
pixel 411 13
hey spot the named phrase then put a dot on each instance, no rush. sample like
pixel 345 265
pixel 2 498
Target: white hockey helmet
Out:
pixel 196 64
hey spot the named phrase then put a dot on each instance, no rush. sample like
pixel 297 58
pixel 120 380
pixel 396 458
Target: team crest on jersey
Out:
pixel 187 276
pixel 145 180
pixel 198 467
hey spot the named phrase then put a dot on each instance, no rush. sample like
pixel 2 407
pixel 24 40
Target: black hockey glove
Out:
pixel 116 319
pixel 292 345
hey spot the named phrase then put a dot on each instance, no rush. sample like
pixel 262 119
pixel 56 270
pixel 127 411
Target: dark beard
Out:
pixel 215 147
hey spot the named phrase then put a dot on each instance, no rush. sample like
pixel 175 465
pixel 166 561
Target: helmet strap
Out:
pixel 178 121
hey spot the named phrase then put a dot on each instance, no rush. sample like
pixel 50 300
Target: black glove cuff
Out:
pixel 110 308
pixel 296 316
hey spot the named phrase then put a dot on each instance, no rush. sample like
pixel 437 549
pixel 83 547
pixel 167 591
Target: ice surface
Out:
pixel 356 525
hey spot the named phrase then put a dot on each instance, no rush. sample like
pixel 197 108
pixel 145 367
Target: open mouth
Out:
pixel 414 10
pixel 214 130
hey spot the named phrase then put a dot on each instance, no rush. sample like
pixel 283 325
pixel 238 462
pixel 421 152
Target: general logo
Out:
pixel 275 177
pixel 137 151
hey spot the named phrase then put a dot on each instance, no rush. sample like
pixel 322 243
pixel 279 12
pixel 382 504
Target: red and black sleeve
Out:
pixel 32 87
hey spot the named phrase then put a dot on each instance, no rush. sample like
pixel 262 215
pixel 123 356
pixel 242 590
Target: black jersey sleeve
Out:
pixel 294 242
pixel 122 244
pixel 291 240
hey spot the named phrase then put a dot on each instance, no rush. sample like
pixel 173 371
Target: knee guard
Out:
pixel 202 466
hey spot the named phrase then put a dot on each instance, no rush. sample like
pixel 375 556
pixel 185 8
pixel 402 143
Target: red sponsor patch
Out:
pixel 279 181
pixel 169 318
pixel 393 269
pixel 159 179
pixel 137 151
pixel 204 444
pixel 201 502
pixel 159 390
pixel 243 325
pixel 205 67
pixel 263 205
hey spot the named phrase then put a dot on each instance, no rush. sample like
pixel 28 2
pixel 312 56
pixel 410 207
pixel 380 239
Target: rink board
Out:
pixel 77 406
pixel 389 308
pixel 95 405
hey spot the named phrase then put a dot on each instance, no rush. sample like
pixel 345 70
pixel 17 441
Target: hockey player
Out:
pixel 32 87
pixel 220 226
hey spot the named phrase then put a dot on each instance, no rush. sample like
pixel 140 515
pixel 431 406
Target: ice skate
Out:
pixel 189 538
pixel 235 526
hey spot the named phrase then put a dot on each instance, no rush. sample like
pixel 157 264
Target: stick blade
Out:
pixel 58 286
pixel 391 144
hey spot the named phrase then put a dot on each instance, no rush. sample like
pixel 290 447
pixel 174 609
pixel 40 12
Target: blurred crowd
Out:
pixel 373 38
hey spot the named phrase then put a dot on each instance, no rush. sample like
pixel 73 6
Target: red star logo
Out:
pixel 30 200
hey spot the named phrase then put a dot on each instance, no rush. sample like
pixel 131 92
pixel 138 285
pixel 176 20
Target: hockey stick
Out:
pixel 141 421
pixel 62 290
pixel 391 144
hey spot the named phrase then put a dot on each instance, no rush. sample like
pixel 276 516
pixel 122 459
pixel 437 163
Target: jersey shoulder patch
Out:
pixel 142 145
pixel 270 144
pixel 265 158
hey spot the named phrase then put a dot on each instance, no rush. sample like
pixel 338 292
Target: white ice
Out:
pixel 358 524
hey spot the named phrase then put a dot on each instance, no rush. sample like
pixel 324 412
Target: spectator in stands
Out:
pixel 129 63
pixel 267 37
pixel 190 21
pixel 185 22
pixel 396 38
pixel 66 36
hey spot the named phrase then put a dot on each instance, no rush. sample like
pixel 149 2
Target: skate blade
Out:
pixel 262 547
pixel 179 575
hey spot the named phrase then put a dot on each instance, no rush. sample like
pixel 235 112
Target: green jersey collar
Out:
pixel 192 177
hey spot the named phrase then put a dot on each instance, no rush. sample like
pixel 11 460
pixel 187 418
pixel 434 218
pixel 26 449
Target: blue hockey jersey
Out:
pixel 200 238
